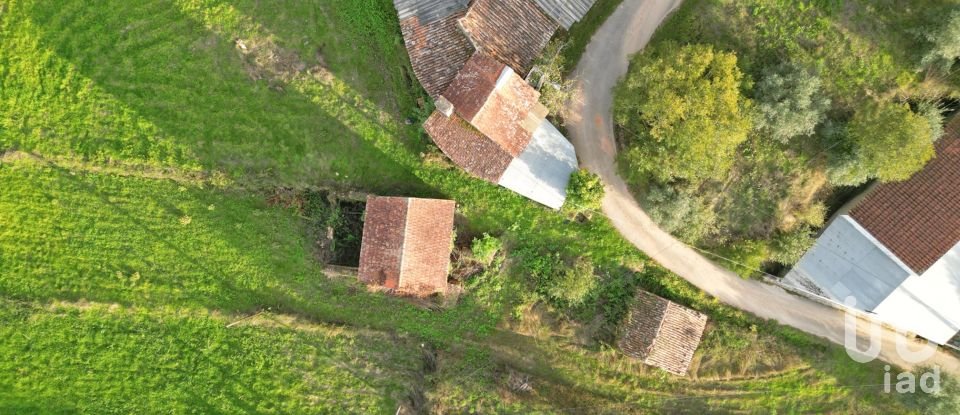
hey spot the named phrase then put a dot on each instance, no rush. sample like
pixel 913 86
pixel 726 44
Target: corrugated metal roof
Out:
pixel 428 10
pixel 565 12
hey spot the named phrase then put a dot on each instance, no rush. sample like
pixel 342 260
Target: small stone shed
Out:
pixel 661 333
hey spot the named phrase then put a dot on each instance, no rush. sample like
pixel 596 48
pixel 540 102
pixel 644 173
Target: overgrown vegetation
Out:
pixel 143 146
pixel 829 96
pixel 584 194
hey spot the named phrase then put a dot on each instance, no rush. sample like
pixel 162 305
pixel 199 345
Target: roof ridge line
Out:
pixel 403 241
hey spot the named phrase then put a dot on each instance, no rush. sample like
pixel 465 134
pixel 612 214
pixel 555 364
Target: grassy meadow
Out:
pixel 140 142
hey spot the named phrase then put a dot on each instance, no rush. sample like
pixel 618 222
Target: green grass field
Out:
pixel 141 142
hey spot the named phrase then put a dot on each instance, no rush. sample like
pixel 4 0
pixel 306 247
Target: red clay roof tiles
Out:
pixel 469 90
pixel 437 49
pixel 919 219
pixel 512 31
pixel 382 244
pixel 662 333
pixel 467 147
pixel 406 244
pixel 426 251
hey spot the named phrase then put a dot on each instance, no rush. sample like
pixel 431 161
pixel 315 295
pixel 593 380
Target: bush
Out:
pixel 558 282
pixel 789 247
pixel 571 285
pixel 485 248
pixel 745 258
pixel 789 103
pixel 682 212
pixel 555 90
pixel 682 110
pixel 584 193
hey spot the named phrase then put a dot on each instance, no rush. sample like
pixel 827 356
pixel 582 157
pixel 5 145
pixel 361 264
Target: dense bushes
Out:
pixel 559 281
pixel 485 249
pixel 944 43
pixel 740 164
pixel 584 193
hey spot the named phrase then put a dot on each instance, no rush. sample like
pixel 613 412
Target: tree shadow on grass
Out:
pixel 192 84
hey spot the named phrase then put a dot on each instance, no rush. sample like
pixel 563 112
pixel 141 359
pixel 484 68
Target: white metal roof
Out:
pixel 928 304
pixel 543 169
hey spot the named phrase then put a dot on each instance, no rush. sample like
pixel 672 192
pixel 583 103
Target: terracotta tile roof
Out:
pixel 661 333
pixel 512 31
pixel 406 244
pixel 496 101
pixel 426 251
pixel 382 244
pixel 438 49
pixel 503 117
pixel 467 147
pixel 471 87
pixel 919 219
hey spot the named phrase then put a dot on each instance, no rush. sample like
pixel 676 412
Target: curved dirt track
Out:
pixel 590 125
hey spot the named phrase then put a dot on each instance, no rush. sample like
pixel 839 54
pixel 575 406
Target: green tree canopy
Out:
pixel 944 42
pixel 890 142
pixel 789 103
pixel 683 112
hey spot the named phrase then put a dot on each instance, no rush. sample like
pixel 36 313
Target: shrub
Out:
pixel 682 212
pixel 683 112
pixel 485 248
pixel 584 193
pixel 789 247
pixel 789 103
pixel 572 284
pixel 745 257
pixel 555 90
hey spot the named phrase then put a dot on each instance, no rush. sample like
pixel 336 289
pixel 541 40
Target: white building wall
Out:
pixel 928 304
pixel 543 169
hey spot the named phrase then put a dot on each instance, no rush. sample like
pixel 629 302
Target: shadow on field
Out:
pixel 196 87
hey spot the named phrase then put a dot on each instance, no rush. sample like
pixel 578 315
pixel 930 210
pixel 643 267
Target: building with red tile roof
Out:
pixel 898 251
pixel 440 35
pixel 489 122
pixel 406 244
pixel 661 333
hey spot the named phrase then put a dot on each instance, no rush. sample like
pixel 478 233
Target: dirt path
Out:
pixel 591 128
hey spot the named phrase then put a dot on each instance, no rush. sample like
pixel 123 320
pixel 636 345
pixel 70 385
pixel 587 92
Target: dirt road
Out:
pixel 591 128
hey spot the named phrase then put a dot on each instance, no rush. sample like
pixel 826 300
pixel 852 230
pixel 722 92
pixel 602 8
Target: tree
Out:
pixel 789 103
pixel 555 89
pixel 944 49
pixel 584 193
pixel 889 141
pixel 682 112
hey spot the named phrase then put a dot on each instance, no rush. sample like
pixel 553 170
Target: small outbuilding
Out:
pixel 661 333
pixel 406 244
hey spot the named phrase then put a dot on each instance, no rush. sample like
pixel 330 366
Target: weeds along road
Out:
pixel 590 123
